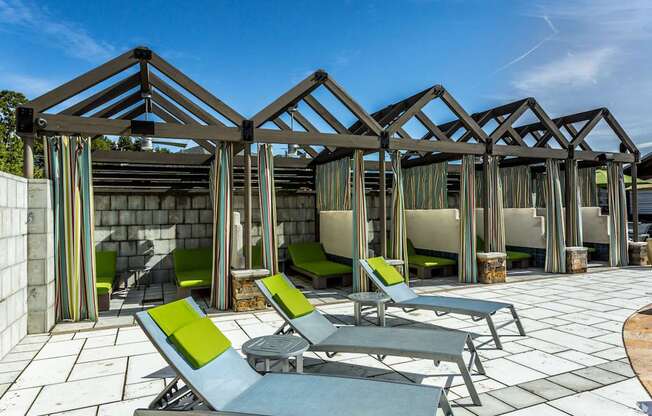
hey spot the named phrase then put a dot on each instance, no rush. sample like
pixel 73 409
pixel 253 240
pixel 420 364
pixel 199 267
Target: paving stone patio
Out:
pixel 572 362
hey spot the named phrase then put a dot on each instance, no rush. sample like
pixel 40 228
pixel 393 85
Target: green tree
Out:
pixel 11 146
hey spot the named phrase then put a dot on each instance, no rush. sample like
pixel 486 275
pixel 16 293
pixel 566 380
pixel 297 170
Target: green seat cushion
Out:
pixel 324 268
pixel 385 272
pixel 174 315
pixel 103 288
pixel 410 248
pixel 257 255
pixel 105 264
pixel 194 278
pixel 293 302
pixel 275 284
pixel 306 252
pixel 517 255
pixel 429 261
pixel 590 249
pixel 200 342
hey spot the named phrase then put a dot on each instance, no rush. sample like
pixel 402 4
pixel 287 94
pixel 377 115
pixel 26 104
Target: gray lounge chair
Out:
pixel 439 345
pixel 404 297
pixel 228 384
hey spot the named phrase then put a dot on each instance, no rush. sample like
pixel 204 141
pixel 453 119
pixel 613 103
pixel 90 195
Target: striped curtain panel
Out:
pixel 398 234
pixel 555 234
pixel 496 240
pixel 267 199
pixel 467 266
pixel 575 237
pixel 517 187
pixel 221 188
pixel 360 246
pixel 425 187
pixel 540 196
pixel 69 168
pixel 618 232
pixel 588 187
pixel 333 185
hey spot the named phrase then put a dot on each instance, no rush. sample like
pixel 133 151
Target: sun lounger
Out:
pixel 216 377
pixel 436 344
pixel 193 269
pixel 404 297
pixel 310 260
pixel 425 265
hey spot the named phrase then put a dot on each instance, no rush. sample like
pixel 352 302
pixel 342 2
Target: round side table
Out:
pixel 276 348
pixel 371 300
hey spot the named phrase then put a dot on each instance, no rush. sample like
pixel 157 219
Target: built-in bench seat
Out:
pixel 193 269
pixel 309 259
pixel 517 259
pixel 425 265
pixel 105 272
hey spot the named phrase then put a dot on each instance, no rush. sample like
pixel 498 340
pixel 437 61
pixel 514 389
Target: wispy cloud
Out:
pixel 574 70
pixel 73 39
pixel 534 48
pixel 28 85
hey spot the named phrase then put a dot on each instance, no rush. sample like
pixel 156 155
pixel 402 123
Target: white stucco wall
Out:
pixel 434 229
pixel 595 226
pixel 523 227
pixel 336 232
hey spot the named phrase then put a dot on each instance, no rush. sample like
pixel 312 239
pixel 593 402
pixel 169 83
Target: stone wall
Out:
pixel 13 261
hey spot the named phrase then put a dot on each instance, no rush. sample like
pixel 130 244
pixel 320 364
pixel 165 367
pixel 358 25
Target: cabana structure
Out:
pixel 157 100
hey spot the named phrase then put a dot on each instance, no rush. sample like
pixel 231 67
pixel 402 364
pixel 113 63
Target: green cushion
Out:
pixel 479 243
pixel 174 315
pixel 517 255
pixel 293 302
pixel 200 342
pixel 105 264
pixel 194 278
pixel 325 268
pixel 192 259
pixel 275 283
pixel 410 248
pixel 103 288
pixel 429 261
pixel 257 255
pixel 385 272
pixel 306 252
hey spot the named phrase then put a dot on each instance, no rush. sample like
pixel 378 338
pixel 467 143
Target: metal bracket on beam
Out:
pixel 321 75
pixel 490 147
pixel 637 156
pixel 384 140
pixel 142 127
pixel 25 120
pixel 143 53
pixel 571 152
pixel 248 131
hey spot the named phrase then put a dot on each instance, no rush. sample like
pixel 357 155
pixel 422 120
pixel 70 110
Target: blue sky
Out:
pixel 570 55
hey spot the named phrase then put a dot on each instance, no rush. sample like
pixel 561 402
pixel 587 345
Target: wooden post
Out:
pixel 635 199
pixel 314 177
pixel 247 205
pixel 567 196
pixel 382 195
pixel 28 157
pixel 485 200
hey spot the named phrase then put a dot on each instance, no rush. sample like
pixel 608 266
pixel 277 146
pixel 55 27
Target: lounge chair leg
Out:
pixel 494 333
pixel 444 405
pixel 469 382
pixel 299 363
pixel 517 320
pixel 357 313
pixel 475 357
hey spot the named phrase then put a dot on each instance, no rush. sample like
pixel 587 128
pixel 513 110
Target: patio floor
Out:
pixel 571 362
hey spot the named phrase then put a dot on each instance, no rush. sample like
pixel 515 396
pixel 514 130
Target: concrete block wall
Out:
pixel 13 261
pixel 40 258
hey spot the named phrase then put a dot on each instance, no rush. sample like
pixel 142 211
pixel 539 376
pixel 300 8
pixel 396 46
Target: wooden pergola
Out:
pixel 182 109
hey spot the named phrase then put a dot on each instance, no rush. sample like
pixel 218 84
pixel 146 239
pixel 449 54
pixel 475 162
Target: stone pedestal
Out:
pixel 576 259
pixel 638 253
pixel 492 267
pixel 246 296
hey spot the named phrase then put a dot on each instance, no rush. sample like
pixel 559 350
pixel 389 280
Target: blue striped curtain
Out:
pixel 425 187
pixel 618 232
pixel 575 237
pixel 221 186
pixel 333 185
pixel 360 245
pixel 398 234
pixel 517 186
pixel 588 187
pixel 555 234
pixel 69 168
pixel 467 266
pixel 267 199
pixel 496 240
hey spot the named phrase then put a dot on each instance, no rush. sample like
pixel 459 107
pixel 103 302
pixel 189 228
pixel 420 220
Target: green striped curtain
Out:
pixel 540 196
pixel 575 237
pixel 517 186
pixel 425 187
pixel 618 232
pixel 360 246
pixel 267 199
pixel 221 188
pixel 69 168
pixel 555 235
pixel 398 234
pixel 333 185
pixel 588 187
pixel 496 240
pixel 467 266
